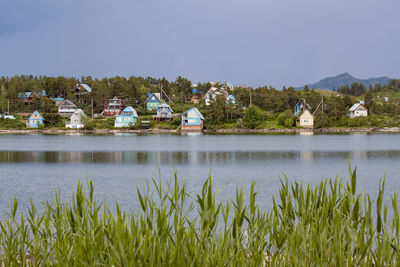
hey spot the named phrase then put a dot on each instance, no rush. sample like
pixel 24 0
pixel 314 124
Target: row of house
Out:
pixel 75 121
pixel 192 120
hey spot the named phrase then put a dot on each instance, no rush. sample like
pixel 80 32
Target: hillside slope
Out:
pixel 345 79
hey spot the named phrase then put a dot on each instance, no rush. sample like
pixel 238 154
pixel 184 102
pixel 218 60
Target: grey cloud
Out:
pixel 256 42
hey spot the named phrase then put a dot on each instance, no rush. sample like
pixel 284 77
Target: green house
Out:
pixel 153 101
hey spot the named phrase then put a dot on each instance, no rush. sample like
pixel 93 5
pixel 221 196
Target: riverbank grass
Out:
pixel 329 224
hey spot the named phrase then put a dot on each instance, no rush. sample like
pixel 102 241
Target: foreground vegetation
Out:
pixel 329 224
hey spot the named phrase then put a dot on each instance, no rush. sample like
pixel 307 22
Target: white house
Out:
pixel 212 94
pixel 66 108
pixel 306 120
pixel 77 120
pixel 358 110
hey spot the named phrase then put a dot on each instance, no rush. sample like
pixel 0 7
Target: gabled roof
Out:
pixel 306 113
pixel 164 105
pixel 67 103
pixel 196 111
pixel 129 109
pixel 115 102
pixel 36 113
pixel 24 94
pixel 79 112
pixel 157 95
pixel 358 106
pixel 84 86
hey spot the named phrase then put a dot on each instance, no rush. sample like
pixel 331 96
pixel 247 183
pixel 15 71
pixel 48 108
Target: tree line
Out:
pixel 252 104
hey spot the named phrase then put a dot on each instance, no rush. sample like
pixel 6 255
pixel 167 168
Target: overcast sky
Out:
pixel 257 42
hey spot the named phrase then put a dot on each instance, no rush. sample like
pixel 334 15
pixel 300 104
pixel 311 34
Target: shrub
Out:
pixel 253 116
pixel 329 224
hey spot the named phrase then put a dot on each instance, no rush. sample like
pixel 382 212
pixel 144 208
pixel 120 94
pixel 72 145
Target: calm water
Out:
pixel 33 166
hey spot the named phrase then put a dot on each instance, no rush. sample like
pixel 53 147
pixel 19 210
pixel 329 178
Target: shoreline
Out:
pixel 222 131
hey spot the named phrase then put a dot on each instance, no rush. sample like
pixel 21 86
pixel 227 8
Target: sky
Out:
pixel 255 42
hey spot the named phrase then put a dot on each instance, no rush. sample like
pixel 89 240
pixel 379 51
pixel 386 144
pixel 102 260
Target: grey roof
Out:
pixel 355 106
pixel 84 86
pixel 87 87
pixel 195 110
pixel 67 103
pixel 165 105
pixel 129 109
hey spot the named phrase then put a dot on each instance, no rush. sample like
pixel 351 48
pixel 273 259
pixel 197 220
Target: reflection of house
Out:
pixel 127 118
pixel 192 120
pixel 358 110
pixel 306 120
pixel 81 89
pixel 153 101
pixel 77 120
pixel 35 120
pixel 66 108
pixel 113 108
pixel 164 112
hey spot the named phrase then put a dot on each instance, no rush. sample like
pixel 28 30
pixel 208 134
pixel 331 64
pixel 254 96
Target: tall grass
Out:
pixel 327 224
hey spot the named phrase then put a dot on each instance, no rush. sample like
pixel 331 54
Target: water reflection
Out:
pixel 184 157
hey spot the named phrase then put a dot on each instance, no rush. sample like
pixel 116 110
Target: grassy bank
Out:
pixel 329 224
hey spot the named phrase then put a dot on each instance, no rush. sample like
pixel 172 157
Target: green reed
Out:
pixel 327 224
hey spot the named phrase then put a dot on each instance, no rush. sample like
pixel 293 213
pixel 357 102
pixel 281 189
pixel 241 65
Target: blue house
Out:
pixel 153 101
pixel 192 120
pixel 35 120
pixel 298 108
pixel 164 112
pixel 127 118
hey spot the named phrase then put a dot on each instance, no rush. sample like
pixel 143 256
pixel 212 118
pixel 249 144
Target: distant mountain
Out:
pixel 345 79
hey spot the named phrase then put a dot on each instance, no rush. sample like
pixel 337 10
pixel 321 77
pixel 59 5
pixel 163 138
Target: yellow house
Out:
pixel 306 120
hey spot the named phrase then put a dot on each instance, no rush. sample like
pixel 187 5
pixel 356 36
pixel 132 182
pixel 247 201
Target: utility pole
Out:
pixel 8 106
pixel 92 107
pixel 322 104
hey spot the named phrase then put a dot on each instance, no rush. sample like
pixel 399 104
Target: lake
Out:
pixel 34 166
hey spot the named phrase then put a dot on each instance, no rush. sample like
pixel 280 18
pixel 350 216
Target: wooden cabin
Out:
pixel 35 120
pixel 192 120
pixel 127 118
pixel 113 108
pixel 77 120
pixel 153 101
pixel 358 110
pixel 164 112
pixel 66 108
pixel 27 97
pixel 306 120
pixel 80 90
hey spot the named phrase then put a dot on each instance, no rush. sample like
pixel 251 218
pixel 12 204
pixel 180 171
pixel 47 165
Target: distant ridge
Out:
pixel 345 79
